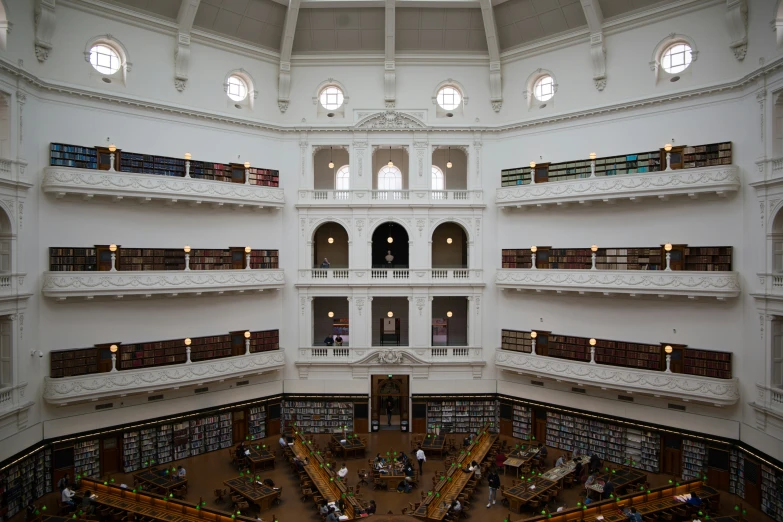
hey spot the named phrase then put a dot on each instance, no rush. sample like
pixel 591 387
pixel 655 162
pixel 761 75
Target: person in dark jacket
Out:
pixel 595 464
pixel 494 483
pixel 608 490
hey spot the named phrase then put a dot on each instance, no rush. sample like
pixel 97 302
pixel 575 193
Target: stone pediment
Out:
pixel 390 357
pixel 390 120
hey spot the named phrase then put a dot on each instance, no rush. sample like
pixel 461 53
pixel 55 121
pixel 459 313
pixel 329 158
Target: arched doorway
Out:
pixel 330 246
pixel 449 246
pixel 390 401
pixel 390 247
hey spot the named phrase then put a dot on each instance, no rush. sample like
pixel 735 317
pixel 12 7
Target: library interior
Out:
pixel 437 260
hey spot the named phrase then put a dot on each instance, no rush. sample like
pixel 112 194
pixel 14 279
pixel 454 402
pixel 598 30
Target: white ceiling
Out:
pixel 361 29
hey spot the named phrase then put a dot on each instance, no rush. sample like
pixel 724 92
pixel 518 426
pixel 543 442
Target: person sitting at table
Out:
pixel 409 471
pixel 269 482
pixel 402 458
pixel 331 516
pixel 67 498
pixel 240 451
pixel 456 507
pixel 370 510
pixel 476 469
pixel 578 470
pixel 64 482
pixel 560 461
pixel 324 509
pixel 608 489
pixel 595 464
pixel 542 452
pixel 633 515
pixel 590 481
pixel 282 442
pixel 181 473
pixel 468 440
pixel 500 458
pixel 694 501
pixel 87 506
pixel 343 472
pixel 341 505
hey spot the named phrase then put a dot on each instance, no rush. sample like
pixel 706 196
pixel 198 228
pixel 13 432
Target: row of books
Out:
pixel 462 416
pixel 772 492
pixel 25 480
pixel 521 422
pixel 318 416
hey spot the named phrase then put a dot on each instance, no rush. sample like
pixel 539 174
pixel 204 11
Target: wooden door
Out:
pixel 110 455
pixel 677 261
pixel 239 426
pixel 104 258
pixel 507 427
pixel 237 342
pixel 361 413
pixel 672 455
pixel 104 357
pixel 542 172
pixel 273 419
pixel 540 430
pixel 419 415
pixel 542 343
pixel 752 482
pixel 676 157
pixel 542 257
pixel 238 258
pixel 104 158
pixel 237 173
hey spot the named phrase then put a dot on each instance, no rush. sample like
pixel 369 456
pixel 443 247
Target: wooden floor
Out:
pixel 207 472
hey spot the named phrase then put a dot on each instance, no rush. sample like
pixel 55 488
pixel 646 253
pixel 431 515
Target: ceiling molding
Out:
pixel 377 58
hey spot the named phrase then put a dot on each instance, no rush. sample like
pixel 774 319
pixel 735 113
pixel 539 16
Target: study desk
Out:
pixel 651 507
pixel 392 479
pixel 434 444
pixel 435 506
pixel 150 506
pixel 261 458
pixel 349 446
pixel 324 479
pixel 526 492
pixel 521 458
pixel 558 473
pixel 151 478
pixel 259 494
pixel 620 478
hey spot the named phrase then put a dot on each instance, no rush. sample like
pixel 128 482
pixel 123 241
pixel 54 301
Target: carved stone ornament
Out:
pixel 180 84
pixel 282 105
pixel 389 357
pixel 497 105
pixel 390 120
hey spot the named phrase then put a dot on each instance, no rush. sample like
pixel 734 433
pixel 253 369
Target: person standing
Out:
pixel 494 483
pixel 389 410
pixel 422 459
pixel 325 263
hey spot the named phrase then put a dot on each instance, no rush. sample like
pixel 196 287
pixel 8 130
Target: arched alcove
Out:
pixel 330 243
pixel 5 125
pixel 449 246
pixel 6 242
pixel 380 160
pixel 456 176
pixel 323 174
pixel 397 248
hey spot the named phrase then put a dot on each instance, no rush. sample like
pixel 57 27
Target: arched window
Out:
pixel 342 178
pixel 438 179
pixel 389 178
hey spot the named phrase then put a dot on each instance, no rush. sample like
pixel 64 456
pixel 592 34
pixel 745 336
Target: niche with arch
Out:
pixel 330 243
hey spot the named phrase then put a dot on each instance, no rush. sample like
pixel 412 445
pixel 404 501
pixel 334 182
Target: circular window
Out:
pixel 104 59
pixel 449 98
pixel 331 98
pixel 676 58
pixel 544 88
pixel 237 88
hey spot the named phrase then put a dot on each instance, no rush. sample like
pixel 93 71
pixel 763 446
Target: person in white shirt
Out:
pixel 560 461
pixel 67 497
pixel 422 459
pixel 343 472
pixel 181 473
pixel 456 507
pixel 282 442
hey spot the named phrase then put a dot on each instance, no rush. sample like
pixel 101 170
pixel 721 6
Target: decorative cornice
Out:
pixel 62 181
pixel 687 182
pixel 720 285
pixel 65 390
pixel 719 392
pixel 390 120
pixel 89 285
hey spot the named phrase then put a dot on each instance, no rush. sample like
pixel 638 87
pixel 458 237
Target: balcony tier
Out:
pixel 98 386
pixel 394 198
pixel 718 392
pixel 720 285
pixel 634 187
pixel 393 276
pixel 144 188
pixel 12 174
pixel 769 402
pixel 89 285
pixel 362 360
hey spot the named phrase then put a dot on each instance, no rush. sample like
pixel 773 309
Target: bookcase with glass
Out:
pixel 86 458
pixel 694 459
pixel 98 158
pixel 682 157
pixel 257 422
pixel 461 416
pixel 131 451
pixel 521 428
pixel 318 416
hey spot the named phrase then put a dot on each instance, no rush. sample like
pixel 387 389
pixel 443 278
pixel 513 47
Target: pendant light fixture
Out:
pixel 331 239
pixel 448 163
pixel 331 163
pixel 391 163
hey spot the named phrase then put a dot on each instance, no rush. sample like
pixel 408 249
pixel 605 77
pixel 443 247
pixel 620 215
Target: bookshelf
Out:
pixel 197 436
pixel 264 341
pixel 702 259
pixel 318 416
pixel 635 163
pixel 217 432
pixel 608 441
pixel 165 444
pixel 574 348
pixel 86 458
pixel 462 416
pixel 26 480
pixel 633 446
pixel 521 428
pixel 204 348
pixel 68 363
pixel 694 459
pixel 148 445
pixel 630 355
pixel 181 440
pixel 75 156
pixel 72 259
pixel 257 422
pixel 651 452
pixel 771 492
pixel 566 432
pixel 131 451
pixel 516 341
pixel 737 473
pixel 707 363
pixel 61 155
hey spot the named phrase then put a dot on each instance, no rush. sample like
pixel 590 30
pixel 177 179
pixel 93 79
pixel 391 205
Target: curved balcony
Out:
pixel 143 188
pixel 390 276
pixel 630 187
pixel 392 198
pixel 718 392
pixel 98 386
pixel 64 286
pixel 633 283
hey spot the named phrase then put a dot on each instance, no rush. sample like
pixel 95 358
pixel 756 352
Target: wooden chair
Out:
pixel 220 494
pixel 279 497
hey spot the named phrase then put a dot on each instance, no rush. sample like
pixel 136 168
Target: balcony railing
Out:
pixel 147 283
pixel 718 392
pixel 422 198
pixel 11 285
pixel 99 386
pixel 720 285
pixel 355 354
pixel 392 276
pixel 145 188
pixel 656 186
pixel 12 172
